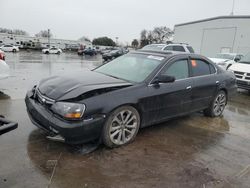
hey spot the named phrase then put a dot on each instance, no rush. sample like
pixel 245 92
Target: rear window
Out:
pixel 200 67
pixel 178 48
pixel 190 49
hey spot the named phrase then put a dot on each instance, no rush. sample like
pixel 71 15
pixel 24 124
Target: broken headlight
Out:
pixel 69 110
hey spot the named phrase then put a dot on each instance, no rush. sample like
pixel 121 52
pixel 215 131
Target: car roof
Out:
pixel 159 52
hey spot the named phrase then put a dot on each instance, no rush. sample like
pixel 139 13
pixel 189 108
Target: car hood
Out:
pixel 241 67
pixel 71 86
pixel 219 60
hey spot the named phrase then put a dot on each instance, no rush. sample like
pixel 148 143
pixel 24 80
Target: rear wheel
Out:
pixel 218 105
pixel 14 50
pixel 121 127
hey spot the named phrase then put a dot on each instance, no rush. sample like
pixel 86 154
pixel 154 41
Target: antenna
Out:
pixel 232 13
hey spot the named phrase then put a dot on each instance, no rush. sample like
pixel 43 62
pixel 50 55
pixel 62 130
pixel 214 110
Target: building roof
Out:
pixel 214 18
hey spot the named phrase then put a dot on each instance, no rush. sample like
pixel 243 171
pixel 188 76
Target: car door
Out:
pixel 168 100
pixel 52 50
pixel 205 83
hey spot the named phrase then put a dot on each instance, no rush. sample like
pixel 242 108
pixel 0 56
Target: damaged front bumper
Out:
pixel 71 132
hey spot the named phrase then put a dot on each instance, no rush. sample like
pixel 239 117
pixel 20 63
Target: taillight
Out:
pixel 2 57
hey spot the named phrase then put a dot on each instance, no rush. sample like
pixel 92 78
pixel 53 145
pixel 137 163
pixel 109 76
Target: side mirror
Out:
pixel 163 79
pixel 237 59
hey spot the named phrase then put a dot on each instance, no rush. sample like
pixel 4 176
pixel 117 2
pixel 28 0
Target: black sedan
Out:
pixel 133 91
pixel 112 54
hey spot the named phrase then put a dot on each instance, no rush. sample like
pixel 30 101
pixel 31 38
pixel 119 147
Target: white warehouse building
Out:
pixel 210 36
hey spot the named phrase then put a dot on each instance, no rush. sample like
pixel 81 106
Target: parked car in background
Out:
pixel 4 70
pixel 225 60
pixel 89 51
pixel 241 70
pixel 136 90
pixel 52 50
pixel 80 50
pixel 2 55
pixel 180 47
pixel 112 54
pixel 9 48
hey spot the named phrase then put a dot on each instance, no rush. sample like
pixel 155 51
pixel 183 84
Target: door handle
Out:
pixel 189 87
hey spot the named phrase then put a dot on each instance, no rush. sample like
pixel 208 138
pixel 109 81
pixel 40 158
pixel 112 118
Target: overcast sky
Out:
pixel 72 19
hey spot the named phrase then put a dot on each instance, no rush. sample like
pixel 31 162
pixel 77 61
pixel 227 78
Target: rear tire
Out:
pixel 121 127
pixel 14 50
pixel 218 105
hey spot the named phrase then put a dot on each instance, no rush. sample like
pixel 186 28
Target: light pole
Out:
pixel 49 37
pixel 116 38
pixel 232 13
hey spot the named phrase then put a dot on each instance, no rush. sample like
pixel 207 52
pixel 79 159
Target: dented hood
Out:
pixel 71 86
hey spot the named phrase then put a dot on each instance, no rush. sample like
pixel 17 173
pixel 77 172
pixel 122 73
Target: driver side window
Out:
pixel 178 69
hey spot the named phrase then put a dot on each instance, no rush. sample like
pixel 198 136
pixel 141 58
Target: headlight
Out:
pixel 69 110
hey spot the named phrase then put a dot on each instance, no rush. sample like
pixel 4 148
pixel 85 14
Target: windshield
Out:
pixel 153 47
pixel 245 59
pixel 225 56
pixel 131 67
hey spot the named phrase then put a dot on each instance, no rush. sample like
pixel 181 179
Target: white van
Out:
pixel 241 70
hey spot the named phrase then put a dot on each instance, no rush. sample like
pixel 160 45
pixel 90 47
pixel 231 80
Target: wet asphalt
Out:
pixel 191 151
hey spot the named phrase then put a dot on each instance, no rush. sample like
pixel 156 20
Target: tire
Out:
pixel 58 53
pixel 121 127
pixel 14 50
pixel 47 52
pixel 218 105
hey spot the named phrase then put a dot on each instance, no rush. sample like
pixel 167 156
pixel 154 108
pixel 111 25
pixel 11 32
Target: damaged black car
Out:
pixel 112 102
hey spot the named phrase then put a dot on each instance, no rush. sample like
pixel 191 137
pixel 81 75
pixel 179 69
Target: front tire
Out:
pixel 121 127
pixel 14 50
pixel 218 105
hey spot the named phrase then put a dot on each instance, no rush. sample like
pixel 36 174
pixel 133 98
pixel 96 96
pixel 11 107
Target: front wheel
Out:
pixel 14 50
pixel 121 127
pixel 218 105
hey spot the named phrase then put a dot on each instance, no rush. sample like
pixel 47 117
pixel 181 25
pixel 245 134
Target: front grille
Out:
pixel 237 76
pixel 43 99
pixel 238 72
pixel 243 84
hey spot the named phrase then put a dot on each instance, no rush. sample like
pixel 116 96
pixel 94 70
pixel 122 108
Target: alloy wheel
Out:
pixel 123 127
pixel 219 104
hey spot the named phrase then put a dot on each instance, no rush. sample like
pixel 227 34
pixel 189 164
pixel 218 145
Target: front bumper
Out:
pixel 73 132
pixel 243 84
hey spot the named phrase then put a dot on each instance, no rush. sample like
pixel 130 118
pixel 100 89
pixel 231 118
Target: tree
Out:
pixel 103 41
pixel 15 31
pixel 162 34
pixel 144 39
pixel 135 43
pixel 158 35
pixel 44 34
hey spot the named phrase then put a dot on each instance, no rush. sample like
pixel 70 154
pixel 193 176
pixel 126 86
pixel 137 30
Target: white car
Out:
pixel 9 48
pixel 52 50
pixel 4 70
pixel 241 71
pixel 225 60
pixel 178 47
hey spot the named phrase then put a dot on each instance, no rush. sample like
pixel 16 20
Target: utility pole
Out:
pixel 232 13
pixel 49 37
pixel 116 40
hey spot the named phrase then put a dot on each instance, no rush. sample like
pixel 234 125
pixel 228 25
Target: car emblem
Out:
pixel 43 100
